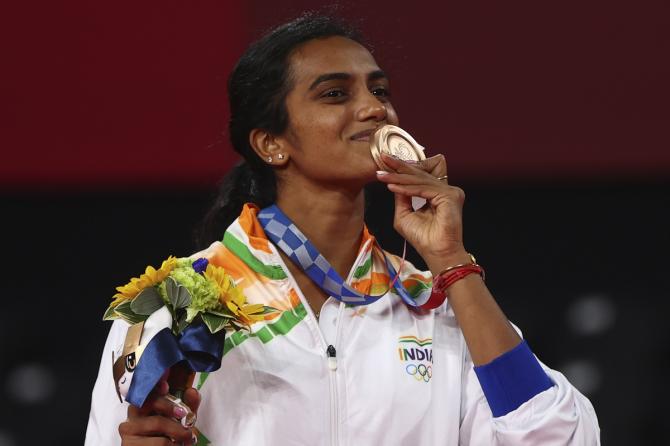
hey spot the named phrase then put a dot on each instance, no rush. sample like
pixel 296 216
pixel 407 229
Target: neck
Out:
pixel 332 219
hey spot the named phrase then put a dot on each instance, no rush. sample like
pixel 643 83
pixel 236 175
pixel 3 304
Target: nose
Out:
pixel 371 108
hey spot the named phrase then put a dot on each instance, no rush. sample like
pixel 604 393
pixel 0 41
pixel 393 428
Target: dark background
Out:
pixel 553 118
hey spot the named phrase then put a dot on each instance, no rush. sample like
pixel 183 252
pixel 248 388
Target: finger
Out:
pixel 155 426
pixel 403 206
pixel 157 405
pixel 454 194
pixel 192 399
pixel 146 441
pixel 405 178
pixel 162 388
pixel 413 191
pixel 435 166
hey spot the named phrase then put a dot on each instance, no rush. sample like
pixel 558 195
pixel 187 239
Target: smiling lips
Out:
pixel 363 136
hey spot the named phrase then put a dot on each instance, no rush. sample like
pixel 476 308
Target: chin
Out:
pixel 370 176
pixel 363 169
pixel 359 178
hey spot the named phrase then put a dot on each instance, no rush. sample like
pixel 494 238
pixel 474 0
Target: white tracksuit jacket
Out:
pixel 398 377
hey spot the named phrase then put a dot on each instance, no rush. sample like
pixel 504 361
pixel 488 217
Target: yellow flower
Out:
pixel 233 298
pixel 221 280
pixel 245 313
pixel 150 277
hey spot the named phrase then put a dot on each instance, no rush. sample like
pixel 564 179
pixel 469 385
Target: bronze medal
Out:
pixel 394 141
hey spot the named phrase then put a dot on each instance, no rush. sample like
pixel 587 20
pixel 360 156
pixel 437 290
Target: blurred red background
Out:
pixel 131 94
pixel 553 116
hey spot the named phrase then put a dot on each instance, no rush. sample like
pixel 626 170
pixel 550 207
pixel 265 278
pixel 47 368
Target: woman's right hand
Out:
pixel 157 422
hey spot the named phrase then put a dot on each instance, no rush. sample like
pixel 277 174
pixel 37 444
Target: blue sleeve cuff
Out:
pixel 512 379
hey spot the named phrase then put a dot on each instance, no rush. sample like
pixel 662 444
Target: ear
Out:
pixel 268 147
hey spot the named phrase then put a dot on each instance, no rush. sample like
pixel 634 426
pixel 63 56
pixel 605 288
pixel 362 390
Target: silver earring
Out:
pixel 269 159
pixel 280 156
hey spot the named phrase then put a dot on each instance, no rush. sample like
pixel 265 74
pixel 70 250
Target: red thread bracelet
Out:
pixel 447 278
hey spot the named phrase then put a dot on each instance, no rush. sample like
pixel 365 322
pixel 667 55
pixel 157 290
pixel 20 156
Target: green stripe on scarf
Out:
pixel 363 269
pixel 274 272
pixel 416 290
pixel 280 327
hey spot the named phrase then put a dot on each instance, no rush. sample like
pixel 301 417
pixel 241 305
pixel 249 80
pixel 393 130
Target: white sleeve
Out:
pixel 107 412
pixel 559 415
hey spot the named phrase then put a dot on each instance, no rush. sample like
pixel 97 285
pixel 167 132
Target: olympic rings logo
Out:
pixel 420 372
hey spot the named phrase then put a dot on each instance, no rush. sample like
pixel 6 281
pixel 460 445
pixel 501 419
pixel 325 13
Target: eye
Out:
pixel 334 94
pixel 381 92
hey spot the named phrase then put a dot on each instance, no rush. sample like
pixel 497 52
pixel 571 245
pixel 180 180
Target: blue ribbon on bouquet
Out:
pixel 286 235
pixel 197 346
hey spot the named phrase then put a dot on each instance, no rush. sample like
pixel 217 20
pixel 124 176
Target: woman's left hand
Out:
pixel 435 230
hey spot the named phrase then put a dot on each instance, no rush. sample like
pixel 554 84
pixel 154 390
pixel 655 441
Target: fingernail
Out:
pixel 412 161
pixel 382 173
pixel 179 412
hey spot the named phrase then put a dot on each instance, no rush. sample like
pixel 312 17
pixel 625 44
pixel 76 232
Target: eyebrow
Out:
pixel 377 74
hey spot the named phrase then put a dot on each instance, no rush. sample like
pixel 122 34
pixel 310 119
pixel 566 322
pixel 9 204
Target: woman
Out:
pixel 305 100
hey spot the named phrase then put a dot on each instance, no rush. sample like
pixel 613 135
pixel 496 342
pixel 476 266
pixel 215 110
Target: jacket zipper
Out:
pixel 331 355
pixel 332 365
pixel 332 358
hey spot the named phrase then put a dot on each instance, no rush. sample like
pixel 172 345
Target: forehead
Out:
pixel 330 55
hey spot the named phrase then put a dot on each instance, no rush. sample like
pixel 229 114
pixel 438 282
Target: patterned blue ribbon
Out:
pixel 201 350
pixel 286 235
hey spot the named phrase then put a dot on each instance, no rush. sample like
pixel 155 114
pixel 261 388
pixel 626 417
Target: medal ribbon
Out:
pixel 286 235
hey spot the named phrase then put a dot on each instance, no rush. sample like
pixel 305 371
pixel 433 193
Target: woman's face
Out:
pixel 339 97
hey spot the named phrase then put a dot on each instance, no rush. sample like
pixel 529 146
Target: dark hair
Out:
pixel 257 90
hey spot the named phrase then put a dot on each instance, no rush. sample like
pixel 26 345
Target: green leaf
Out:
pixel 269 310
pixel 179 296
pixel 214 323
pixel 147 302
pixel 127 314
pixel 191 313
pixel 110 314
pixel 202 440
pixel 238 326
pixel 222 314
pixel 182 323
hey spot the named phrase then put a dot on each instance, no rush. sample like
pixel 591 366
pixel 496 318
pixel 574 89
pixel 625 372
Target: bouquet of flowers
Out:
pixel 179 314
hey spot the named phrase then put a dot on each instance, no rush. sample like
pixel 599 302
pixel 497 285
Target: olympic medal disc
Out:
pixel 394 141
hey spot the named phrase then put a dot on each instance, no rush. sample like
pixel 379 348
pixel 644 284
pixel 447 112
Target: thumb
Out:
pixel 435 165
